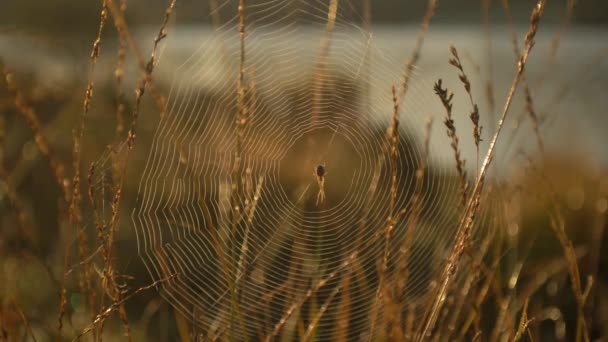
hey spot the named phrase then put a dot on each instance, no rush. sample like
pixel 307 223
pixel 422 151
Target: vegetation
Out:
pixel 250 234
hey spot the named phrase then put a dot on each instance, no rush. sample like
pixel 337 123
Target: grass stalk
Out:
pixel 464 226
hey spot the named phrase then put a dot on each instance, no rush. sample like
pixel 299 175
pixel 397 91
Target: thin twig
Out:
pixel 313 324
pixel 99 319
pixel 74 209
pixel 415 56
pixel 146 81
pixel 26 321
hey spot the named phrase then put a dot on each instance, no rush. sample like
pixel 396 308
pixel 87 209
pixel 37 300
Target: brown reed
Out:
pixel 474 116
pixel 119 76
pixel 468 217
pixel 15 201
pixel 529 106
pixel 393 138
pixel 446 99
pixel 109 280
pixel 101 317
pixel 415 56
pixel 236 168
pixel 24 319
pixel 399 320
pixel 57 166
pixel 75 203
pixel 31 118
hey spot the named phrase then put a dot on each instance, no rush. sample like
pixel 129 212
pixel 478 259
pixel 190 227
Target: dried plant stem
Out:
pixel 415 56
pixel 344 311
pixel 86 277
pixel 63 292
pixel 119 76
pixel 350 261
pixel 446 99
pixel 533 116
pixel 503 318
pixel 99 319
pixel 322 59
pixel 398 300
pixel 74 210
pixel 556 219
pixel 463 293
pixel 224 264
pixel 313 324
pixel 145 67
pixel 31 118
pixel 117 15
pixel 529 107
pixel 551 269
pixel 6 186
pixel 414 215
pixel 523 323
pixel 240 121
pixel 455 61
pixel 296 306
pixel 100 226
pixel 56 165
pixel 390 221
pixel 368 200
pixel 250 215
pixel 149 67
pixel 394 154
pixel 560 94
pixel 558 226
pixel 549 65
pixel 26 321
pixel 18 206
pixel 468 217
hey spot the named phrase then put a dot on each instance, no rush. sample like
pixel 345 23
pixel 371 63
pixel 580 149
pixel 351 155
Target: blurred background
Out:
pixel 46 45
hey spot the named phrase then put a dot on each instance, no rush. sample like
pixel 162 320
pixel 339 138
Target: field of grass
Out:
pixel 293 171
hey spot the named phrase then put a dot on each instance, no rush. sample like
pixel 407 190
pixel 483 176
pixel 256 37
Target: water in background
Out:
pixel 568 89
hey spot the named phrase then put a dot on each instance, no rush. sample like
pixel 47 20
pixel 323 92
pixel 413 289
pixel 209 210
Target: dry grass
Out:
pixel 446 99
pixel 476 294
pixel 455 61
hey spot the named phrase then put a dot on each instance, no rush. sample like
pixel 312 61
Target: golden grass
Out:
pixel 472 297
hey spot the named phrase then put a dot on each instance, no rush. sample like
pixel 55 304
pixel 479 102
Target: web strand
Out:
pixel 182 213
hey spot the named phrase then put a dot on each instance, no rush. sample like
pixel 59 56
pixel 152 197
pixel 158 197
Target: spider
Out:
pixel 319 172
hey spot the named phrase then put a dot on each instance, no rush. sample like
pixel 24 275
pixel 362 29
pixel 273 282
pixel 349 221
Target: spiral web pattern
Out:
pixel 308 102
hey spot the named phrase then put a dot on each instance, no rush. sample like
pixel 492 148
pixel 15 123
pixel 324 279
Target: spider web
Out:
pixel 314 95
